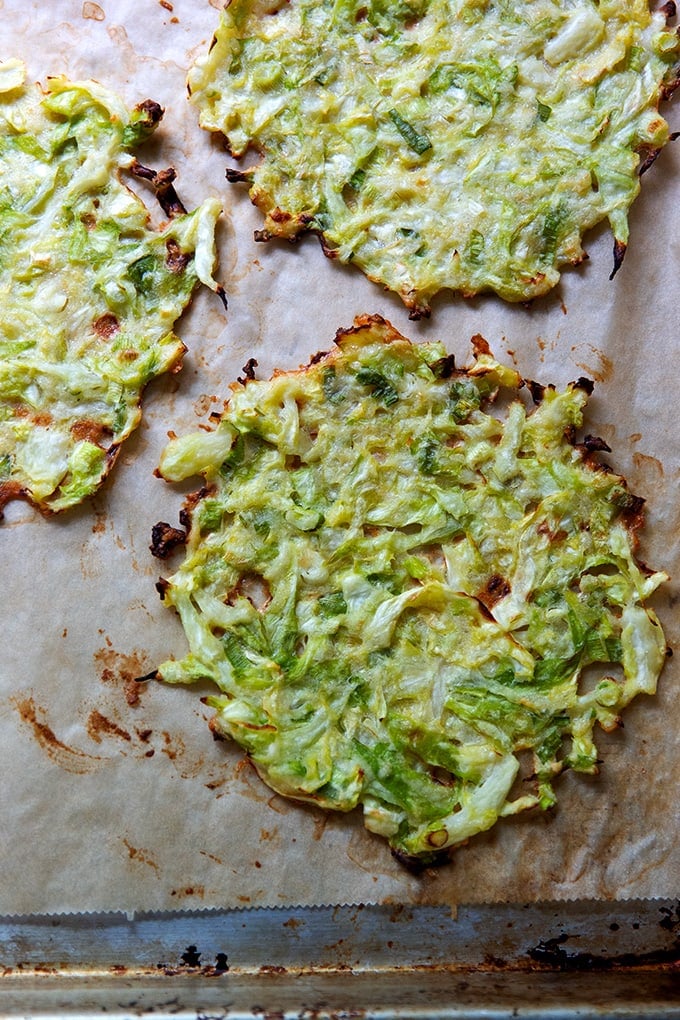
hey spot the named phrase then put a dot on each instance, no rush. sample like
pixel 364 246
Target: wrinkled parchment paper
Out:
pixel 114 796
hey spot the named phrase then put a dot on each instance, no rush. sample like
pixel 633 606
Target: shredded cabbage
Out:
pixel 464 144
pixel 392 629
pixel 90 292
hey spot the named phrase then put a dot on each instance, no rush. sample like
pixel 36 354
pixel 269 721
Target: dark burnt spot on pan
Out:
pixel 190 963
pixel 553 954
pixel 670 918
pixel 191 957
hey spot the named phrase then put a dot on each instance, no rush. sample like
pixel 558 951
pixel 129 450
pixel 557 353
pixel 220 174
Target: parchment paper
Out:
pixel 108 804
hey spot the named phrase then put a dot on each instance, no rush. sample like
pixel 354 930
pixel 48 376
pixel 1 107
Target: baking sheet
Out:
pixel 553 962
pixel 114 795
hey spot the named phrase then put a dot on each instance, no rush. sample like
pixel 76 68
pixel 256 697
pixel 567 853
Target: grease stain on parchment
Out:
pixel 100 522
pixel 122 669
pixel 543 346
pixel 321 820
pixel 649 468
pixel 367 851
pixel 204 404
pixel 598 366
pixel 655 483
pixel 71 759
pixel 129 58
pixel 93 12
pixel 140 855
pixel 211 857
pixel 100 726
pixel 173 747
pixel 189 891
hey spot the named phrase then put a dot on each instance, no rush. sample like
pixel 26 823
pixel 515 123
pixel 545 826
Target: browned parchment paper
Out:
pixel 116 797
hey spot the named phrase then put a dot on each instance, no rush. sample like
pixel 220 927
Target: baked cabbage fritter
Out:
pixel 464 144
pixel 398 593
pixel 89 290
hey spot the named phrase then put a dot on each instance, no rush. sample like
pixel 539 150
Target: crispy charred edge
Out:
pixel 236 176
pixel 417 309
pixel 630 506
pixel 445 368
pixel 162 182
pixel 12 489
pixel 248 371
pixel 363 322
pixel 593 444
pixel 9 491
pixel 648 155
pixel 165 539
pixel 537 390
pixel 291 227
pixel 177 261
pixel 632 510
pixel 668 87
pixel 585 384
pixel 153 115
pixel 416 865
pixel 152 675
pixel 620 248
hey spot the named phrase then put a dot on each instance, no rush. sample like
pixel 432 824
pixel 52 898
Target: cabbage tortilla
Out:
pixel 463 144
pixel 90 290
pixel 403 597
